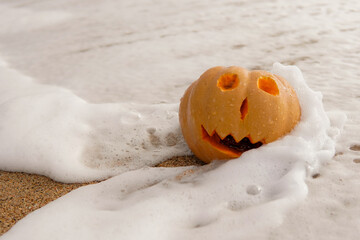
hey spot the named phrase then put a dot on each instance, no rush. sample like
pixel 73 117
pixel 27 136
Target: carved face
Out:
pixel 230 110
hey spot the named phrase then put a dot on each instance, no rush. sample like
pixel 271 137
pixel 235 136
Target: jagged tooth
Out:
pixel 222 135
pixel 254 139
pixel 239 133
pixel 210 131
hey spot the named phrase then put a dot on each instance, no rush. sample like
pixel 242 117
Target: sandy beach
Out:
pixel 23 193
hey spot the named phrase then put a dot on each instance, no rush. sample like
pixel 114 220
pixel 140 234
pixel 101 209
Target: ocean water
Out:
pixel 90 90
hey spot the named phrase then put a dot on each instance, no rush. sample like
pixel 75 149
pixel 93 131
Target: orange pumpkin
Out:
pixel 229 110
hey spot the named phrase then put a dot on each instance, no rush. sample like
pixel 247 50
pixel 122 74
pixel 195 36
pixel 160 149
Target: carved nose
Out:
pixel 244 109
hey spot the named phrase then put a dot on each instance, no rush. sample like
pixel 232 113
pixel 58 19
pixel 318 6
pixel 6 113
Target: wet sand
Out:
pixel 23 193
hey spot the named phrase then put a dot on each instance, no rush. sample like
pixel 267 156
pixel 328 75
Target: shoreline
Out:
pixel 22 193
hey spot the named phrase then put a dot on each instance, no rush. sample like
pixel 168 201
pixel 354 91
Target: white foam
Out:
pixel 214 201
pixel 48 130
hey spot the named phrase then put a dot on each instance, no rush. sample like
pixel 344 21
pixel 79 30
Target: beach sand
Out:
pixel 22 193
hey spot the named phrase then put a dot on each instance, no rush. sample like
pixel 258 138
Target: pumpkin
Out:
pixel 230 110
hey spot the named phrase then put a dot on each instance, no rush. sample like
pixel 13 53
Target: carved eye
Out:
pixel 268 85
pixel 228 81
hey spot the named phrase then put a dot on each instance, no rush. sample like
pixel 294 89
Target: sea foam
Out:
pixel 50 131
pixel 241 198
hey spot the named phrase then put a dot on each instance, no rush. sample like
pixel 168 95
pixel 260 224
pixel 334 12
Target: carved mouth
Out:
pixel 229 144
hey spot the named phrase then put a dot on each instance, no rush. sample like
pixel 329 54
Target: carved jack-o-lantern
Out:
pixel 230 110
